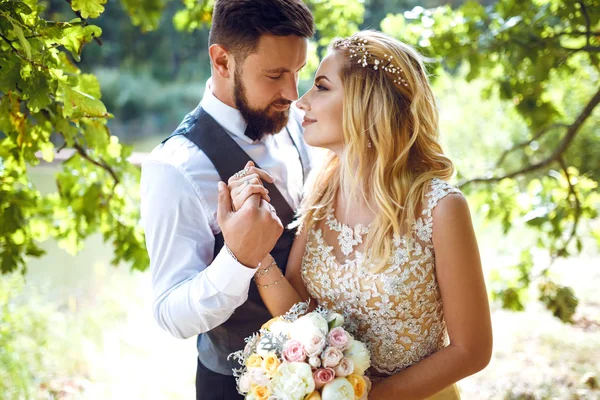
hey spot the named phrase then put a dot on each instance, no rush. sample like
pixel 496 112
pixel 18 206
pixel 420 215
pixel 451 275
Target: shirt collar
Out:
pixel 228 117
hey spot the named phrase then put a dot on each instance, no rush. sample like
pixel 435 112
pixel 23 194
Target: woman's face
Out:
pixel 323 105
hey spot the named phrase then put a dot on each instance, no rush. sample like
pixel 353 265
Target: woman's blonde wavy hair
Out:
pixel 391 147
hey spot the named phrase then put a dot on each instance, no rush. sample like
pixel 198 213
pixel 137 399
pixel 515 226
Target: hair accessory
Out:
pixel 358 50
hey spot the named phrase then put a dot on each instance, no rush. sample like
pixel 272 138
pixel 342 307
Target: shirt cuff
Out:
pixel 228 275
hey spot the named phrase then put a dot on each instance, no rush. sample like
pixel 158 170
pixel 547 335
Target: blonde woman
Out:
pixel 383 238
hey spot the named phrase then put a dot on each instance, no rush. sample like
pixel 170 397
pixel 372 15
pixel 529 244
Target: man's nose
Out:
pixel 290 88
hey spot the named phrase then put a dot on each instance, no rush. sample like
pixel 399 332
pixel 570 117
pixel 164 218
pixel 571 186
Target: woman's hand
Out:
pixel 248 184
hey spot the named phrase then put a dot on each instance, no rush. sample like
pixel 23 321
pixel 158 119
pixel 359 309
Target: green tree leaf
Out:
pixel 89 8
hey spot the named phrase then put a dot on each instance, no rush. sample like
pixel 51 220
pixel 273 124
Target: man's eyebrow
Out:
pixel 281 70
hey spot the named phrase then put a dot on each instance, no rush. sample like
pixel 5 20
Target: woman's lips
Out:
pixel 308 121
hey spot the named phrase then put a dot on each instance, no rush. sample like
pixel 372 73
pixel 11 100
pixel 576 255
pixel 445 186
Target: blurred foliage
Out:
pixel 23 338
pixel 43 93
pixel 528 52
pixel 537 59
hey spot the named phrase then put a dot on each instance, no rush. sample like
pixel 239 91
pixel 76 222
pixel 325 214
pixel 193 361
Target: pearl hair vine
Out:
pixel 358 51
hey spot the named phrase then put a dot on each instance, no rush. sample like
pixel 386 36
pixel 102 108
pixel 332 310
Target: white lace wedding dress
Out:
pixel 397 312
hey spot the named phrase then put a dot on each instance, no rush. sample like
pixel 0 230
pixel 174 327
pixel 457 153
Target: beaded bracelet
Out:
pixel 270 284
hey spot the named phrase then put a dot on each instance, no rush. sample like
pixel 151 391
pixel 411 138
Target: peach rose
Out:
pixel 254 361
pixel 261 392
pixel 359 385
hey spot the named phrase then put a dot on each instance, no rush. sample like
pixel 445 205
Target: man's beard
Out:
pixel 261 121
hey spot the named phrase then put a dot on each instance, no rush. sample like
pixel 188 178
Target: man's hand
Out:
pixel 252 231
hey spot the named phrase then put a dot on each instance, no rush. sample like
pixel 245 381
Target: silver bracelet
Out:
pixel 236 259
pixel 231 253
pixel 263 271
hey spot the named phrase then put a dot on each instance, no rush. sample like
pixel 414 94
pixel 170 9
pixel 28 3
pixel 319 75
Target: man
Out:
pixel 202 269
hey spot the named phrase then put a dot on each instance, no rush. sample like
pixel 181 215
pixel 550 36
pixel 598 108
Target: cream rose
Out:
pixel 315 344
pixel 359 354
pixel 331 357
pixel 344 368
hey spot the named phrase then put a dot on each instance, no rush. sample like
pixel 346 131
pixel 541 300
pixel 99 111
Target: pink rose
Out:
pixel 294 352
pixel 331 357
pixel 323 376
pixel 344 368
pixel 315 345
pixel 338 338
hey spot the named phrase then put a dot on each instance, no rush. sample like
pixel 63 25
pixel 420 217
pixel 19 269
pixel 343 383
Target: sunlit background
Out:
pixel 73 326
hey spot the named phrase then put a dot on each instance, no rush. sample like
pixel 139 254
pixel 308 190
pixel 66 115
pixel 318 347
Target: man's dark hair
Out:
pixel 238 24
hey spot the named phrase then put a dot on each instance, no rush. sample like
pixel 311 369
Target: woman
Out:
pixel 383 239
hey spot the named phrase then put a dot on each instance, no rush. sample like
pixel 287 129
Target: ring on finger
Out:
pixel 242 173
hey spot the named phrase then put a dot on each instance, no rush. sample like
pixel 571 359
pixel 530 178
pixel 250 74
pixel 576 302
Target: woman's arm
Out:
pixel 466 310
pixel 281 296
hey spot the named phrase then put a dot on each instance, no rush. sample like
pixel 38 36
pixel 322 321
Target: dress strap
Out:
pixel 439 190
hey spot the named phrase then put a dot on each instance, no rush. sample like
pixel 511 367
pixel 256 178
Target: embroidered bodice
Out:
pixel 397 311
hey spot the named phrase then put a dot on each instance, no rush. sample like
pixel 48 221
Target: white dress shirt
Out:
pixel 193 295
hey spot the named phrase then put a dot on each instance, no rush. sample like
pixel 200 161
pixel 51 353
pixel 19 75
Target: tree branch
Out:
pixel 589 49
pixel 520 145
pixel 21 56
pixel 81 151
pixel 573 192
pixel 588 24
pixel 572 131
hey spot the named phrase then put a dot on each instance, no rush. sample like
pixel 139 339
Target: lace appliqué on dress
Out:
pixel 397 312
pixel 348 237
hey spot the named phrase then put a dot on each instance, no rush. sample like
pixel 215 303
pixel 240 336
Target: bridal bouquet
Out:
pixel 303 356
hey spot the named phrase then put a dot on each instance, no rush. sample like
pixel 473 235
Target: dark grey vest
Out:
pixel 228 158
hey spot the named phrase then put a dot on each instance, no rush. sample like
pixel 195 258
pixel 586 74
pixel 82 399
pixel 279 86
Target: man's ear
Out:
pixel 222 61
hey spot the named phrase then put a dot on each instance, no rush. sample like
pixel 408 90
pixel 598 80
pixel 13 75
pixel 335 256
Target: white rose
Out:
pixel 315 344
pixel 258 376
pixel 338 389
pixel 358 353
pixel 244 383
pixel 280 328
pixel 334 320
pixel 310 322
pixel 314 362
pixel 293 381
